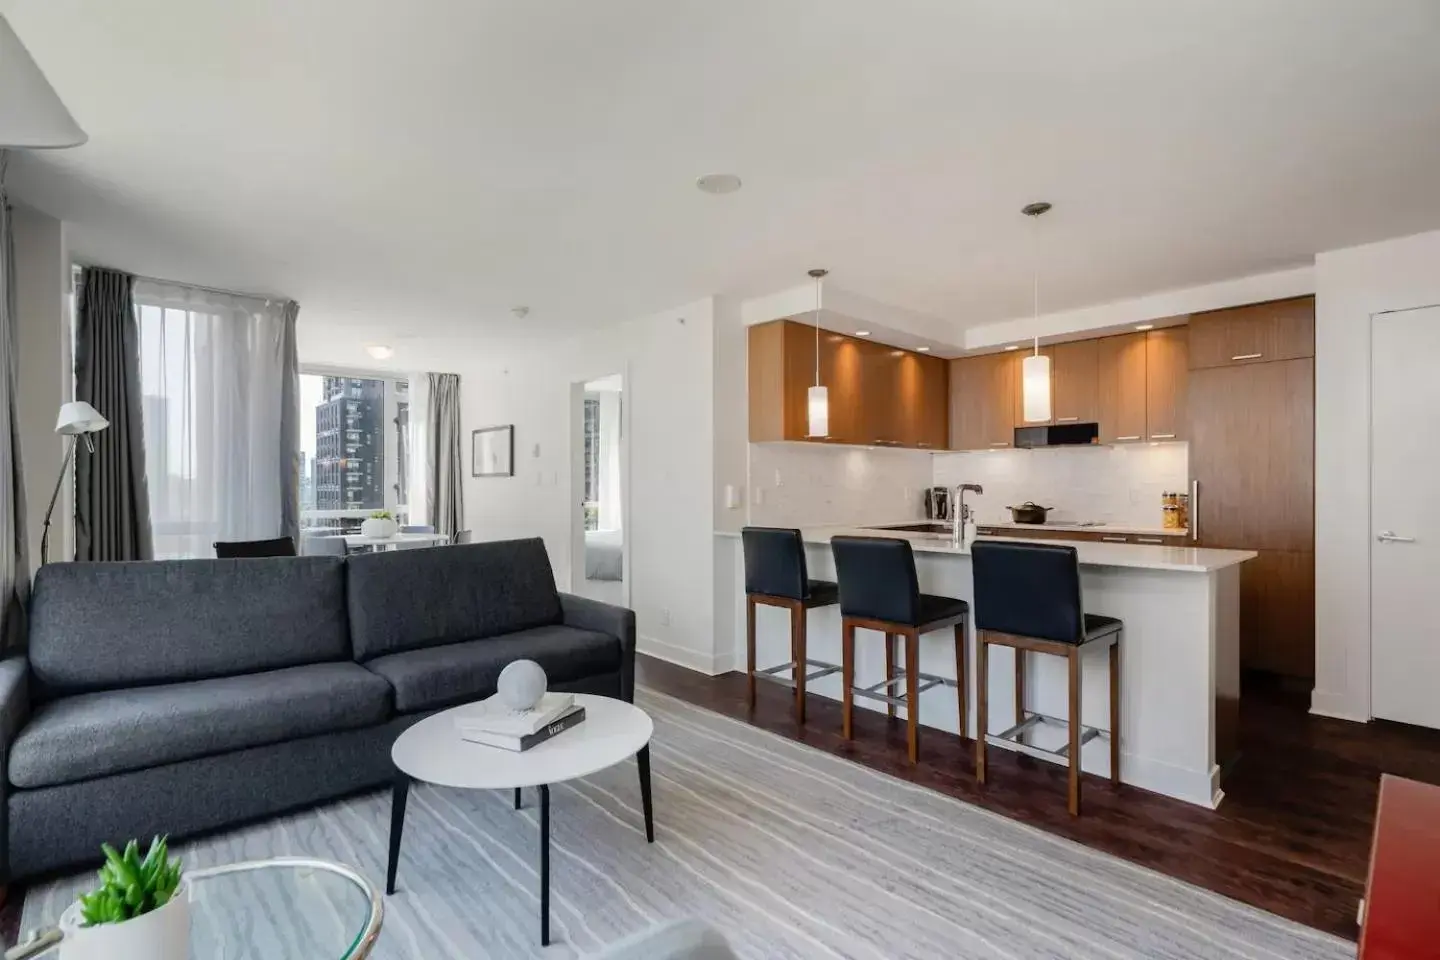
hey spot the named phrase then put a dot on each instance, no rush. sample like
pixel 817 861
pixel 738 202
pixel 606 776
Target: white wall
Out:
pixel 1352 285
pixel 45 381
pixel 816 484
pixel 1119 484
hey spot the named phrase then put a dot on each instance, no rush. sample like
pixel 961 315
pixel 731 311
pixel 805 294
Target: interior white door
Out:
pixel 1405 521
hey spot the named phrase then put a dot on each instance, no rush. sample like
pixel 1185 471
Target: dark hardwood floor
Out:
pixel 1292 836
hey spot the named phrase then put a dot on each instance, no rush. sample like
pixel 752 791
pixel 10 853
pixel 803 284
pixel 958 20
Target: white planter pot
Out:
pixel 162 934
pixel 379 529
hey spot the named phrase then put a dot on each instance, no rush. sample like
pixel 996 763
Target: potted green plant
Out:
pixel 140 909
pixel 380 526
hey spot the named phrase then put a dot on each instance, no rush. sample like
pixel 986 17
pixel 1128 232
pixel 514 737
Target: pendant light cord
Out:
pixel 818 281
pixel 1035 280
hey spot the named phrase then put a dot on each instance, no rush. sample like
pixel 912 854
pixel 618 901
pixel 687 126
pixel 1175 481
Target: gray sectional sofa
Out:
pixel 183 696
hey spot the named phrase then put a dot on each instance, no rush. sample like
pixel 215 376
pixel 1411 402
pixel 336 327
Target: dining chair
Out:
pixel 324 546
pixel 462 536
pixel 236 549
pixel 418 528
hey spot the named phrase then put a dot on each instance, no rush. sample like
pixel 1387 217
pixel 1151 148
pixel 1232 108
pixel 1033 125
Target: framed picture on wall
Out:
pixel 492 452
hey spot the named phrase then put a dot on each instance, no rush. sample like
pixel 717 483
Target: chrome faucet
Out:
pixel 962 512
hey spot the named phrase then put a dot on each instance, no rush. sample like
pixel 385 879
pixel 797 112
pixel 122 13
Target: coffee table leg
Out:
pixel 517 798
pixel 643 759
pixel 397 826
pixel 544 865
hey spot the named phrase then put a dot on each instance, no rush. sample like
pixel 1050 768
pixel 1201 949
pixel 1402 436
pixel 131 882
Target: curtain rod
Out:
pixel 198 286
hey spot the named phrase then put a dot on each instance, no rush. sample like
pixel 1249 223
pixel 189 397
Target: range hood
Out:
pixel 1059 435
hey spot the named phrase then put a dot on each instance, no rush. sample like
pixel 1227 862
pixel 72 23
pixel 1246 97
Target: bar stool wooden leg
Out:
pixel 960 656
pixel 912 694
pixel 1019 685
pixel 982 702
pixel 1115 711
pixel 1074 658
pixel 750 649
pixel 800 627
pixel 889 672
pixel 847 675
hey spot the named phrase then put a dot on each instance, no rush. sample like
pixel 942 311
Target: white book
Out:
pixel 493 717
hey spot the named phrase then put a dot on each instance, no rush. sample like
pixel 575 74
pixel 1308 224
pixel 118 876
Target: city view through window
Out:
pixel 354 450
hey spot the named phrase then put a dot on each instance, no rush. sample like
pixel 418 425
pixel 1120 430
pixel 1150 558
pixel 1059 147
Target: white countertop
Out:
pixel 1091 553
pixel 1117 528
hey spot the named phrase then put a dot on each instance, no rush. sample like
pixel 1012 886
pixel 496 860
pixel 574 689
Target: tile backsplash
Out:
pixel 1119 484
pixel 813 484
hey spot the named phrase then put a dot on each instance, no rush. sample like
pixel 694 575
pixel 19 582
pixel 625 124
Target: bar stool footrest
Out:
pixel 773 674
pixel 1012 736
pixel 928 681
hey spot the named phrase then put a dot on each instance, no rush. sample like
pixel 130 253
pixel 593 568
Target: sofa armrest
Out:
pixel 619 622
pixel 14 702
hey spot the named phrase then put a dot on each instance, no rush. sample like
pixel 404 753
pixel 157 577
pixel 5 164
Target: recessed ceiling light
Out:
pixel 923 349
pixel 379 351
pixel 862 333
pixel 1144 326
pixel 718 183
pixel 1013 346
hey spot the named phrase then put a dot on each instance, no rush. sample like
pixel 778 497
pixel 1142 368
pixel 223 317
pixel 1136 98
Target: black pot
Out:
pixel 1029 512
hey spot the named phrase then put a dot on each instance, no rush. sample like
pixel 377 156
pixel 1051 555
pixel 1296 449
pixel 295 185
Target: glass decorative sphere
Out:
pixel 521 684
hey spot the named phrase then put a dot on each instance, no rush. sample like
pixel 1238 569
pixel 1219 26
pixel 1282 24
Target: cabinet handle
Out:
pixel 922 443
pixel 1162 436
pixel 1066 419
pixel 1114 539
pixel 1247 356
pixel 1127 438
pixel 1194 517
pixel 1000 443
pixel 1148 540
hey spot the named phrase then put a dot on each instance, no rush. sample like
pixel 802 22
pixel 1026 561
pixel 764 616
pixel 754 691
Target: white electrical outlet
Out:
pixel 664 616
pixel 759 497
pixel 732 497
pixel 779 480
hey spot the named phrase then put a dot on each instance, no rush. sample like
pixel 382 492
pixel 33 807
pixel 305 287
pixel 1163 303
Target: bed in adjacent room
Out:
pixel 603 549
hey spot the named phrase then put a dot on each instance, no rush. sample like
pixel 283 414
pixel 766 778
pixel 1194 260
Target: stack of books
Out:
pixel 492 723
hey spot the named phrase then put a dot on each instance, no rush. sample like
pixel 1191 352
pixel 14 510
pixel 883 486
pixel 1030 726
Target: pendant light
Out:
pixel 818 400
pixel 1035 369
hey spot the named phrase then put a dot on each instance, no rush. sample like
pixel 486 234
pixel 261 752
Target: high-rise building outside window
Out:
pixel 354 444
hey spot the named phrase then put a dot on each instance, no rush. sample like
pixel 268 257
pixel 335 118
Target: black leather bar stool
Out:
pixel 1027 597
pixel 776 576
pixel 879 591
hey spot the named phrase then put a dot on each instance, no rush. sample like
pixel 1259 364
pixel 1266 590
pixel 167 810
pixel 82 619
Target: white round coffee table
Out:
pixel 433 752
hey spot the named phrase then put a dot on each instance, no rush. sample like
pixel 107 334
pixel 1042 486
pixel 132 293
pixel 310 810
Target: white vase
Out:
pixel 162 934
pixel 379 528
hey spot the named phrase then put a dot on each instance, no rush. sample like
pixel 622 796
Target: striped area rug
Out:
pixel 790 851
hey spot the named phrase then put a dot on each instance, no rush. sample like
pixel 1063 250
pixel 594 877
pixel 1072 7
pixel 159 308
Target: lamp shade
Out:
pixel 1035 388
pixel 79 417
pixel 31 114
pixel 817 410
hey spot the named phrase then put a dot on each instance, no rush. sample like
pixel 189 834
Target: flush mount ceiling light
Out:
pixel 862 333
pixel 380 351
pixel 718 183
pixel 1035 369
pixel 817 401
pixel 1144 326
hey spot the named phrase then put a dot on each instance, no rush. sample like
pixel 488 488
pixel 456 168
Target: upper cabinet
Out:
pixel 1121 388
pixel 982 401
pixel 1257 333
pixel 878 395
pixel 1167 374
pixel 1075 369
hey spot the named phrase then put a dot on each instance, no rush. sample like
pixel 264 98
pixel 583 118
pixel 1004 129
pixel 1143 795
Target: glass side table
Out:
pixel 289 908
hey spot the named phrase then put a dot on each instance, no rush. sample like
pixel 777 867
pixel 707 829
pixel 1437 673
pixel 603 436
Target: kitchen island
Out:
pixel 1180 653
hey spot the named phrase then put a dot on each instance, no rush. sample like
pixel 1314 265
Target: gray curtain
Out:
pixel 112 505
pixel 445 467
pixel 14 532
pixel 289 427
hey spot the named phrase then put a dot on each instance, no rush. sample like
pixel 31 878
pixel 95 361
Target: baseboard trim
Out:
pixel 708 664
pixel 1326 704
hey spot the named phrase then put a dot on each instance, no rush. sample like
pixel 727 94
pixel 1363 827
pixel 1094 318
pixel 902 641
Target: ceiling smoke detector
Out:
pixel 520 312
pixel 718 183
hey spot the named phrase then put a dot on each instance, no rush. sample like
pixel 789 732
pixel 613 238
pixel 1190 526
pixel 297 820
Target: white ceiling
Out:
pixel 421 167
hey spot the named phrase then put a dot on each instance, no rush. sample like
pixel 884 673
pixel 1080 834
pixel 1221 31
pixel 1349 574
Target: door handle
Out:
pixel 1386 536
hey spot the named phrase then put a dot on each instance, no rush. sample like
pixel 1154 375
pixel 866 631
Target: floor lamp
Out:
pixel 76 419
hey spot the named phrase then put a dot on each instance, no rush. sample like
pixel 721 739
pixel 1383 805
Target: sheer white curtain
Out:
pixel 213 374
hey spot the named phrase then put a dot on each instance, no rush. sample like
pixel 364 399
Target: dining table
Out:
pixel 399 540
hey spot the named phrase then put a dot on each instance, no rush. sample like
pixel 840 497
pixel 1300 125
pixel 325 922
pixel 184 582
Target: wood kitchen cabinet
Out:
pixel 1121 388
pixel 878 395
pixel 1167 382
pixel 1256 333
pixel 1075 376
pixel 982 401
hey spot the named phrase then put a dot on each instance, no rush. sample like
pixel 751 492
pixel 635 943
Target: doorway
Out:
pixel 1405 530
pixel 600 568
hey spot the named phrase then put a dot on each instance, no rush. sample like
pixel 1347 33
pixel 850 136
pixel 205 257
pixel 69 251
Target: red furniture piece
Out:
pixel 1401 913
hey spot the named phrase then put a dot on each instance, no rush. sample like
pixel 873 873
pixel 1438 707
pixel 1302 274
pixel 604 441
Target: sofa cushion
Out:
pixel 405 600
pixel 105 626
pixel 95 734
pixel 461 672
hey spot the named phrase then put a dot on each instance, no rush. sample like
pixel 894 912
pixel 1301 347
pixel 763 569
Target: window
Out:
pixel 354 447
pixel 592 462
